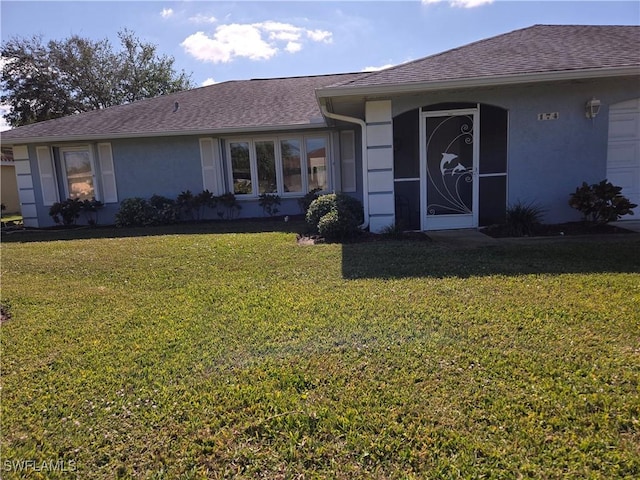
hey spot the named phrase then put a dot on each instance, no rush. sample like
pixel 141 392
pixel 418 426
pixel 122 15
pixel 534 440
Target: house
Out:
pixel 447 141
pixel 9 187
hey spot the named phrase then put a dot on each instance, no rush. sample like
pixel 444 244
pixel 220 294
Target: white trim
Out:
pixel 20 152
pixel 275 143
pixel 327 160
pixel 48 179
pixel 107 173
pixel 277 139
pixel 494 80
pixel 212 176
pixel 303 183
pixel 232 189
pixel 348 160
pixel 63 169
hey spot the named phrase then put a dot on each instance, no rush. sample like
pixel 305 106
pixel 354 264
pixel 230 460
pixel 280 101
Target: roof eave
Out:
pixel 489 81
pixel 176 133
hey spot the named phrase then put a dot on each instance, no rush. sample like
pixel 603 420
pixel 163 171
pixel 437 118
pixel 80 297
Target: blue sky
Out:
pixel 219 41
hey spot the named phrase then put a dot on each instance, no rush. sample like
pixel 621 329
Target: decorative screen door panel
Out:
pixel 451 159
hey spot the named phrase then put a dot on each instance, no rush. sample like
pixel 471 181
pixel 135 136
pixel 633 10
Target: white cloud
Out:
pixel 4 109
pixel 461 3
pixel 200 18
pixel 255 41
pixel 166 12
pixel 375 69
pixel 293 47
pixel 229 41
pixel 207 82
pixel 320 36
pixel 280 31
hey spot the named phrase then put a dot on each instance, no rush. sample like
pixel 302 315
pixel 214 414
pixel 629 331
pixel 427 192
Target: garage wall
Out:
pixel 623 153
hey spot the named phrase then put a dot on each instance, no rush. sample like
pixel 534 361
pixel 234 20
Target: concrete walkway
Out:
pixel 467 237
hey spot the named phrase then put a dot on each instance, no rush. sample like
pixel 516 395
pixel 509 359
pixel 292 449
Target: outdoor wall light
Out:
pixel 592 107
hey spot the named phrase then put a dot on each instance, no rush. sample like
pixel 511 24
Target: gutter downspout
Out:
pixel 365 160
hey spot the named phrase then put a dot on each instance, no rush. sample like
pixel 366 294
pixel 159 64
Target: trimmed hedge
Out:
pixel 335 216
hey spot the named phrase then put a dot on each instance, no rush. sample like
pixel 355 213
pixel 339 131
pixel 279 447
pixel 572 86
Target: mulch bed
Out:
pixel 555 230
pixel 495 231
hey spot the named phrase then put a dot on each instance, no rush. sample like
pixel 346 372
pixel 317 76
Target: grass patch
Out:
pixel 208 354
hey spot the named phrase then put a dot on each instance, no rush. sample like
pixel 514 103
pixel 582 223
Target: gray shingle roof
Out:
pixel 532 50
pixel 290 102
pixel 228 106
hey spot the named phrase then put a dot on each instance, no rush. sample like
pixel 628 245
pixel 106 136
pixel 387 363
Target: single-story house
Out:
pixel 447 141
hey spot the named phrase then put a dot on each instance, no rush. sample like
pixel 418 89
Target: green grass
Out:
pixel 209 355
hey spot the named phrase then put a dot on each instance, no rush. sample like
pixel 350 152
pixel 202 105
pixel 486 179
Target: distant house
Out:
pixel 448 141
pixel 9 187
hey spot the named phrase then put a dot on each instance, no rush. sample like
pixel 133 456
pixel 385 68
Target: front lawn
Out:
pixel 211 355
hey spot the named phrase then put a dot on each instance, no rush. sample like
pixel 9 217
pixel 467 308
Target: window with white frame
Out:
pixel 284 165
pixel 291 155
pixel 78 172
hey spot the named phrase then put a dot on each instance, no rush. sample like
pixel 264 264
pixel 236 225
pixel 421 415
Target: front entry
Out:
pixel 449 186
pixel 450 166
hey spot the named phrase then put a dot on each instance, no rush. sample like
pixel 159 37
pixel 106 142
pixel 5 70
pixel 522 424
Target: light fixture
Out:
pixel 592 107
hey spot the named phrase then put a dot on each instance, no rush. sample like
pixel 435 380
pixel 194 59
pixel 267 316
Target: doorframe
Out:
pixel 475 113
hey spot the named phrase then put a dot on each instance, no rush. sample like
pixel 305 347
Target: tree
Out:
pixel 44 81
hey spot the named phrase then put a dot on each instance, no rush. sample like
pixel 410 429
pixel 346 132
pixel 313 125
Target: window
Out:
pixel 317 162
pixel 291 169
pixel 278 165
pixel 266 159
pixel 241 168
pixel 77 169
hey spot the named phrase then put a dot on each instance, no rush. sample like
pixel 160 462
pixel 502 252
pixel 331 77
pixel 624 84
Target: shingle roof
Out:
pixel 290 102
pixel 233 105
pixel 536 49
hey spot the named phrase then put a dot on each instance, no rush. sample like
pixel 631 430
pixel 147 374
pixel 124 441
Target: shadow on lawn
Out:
pixel 405 259
pixel 260 225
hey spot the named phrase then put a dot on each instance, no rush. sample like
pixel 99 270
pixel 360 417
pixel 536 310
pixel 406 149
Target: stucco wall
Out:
pixel 547 160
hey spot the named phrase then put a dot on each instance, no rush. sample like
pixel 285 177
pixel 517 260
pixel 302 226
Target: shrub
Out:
pixel 338 225
pixel 523 218
pixel 66 212
pixel 393 231
pixel 186 204
pixel 203 200
pixel 305 201
pixel 601 202
pixel 228 206
pixel 269 203
pixel 164 210
pixel 90 209
pixel 135 212
pixel 335 216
